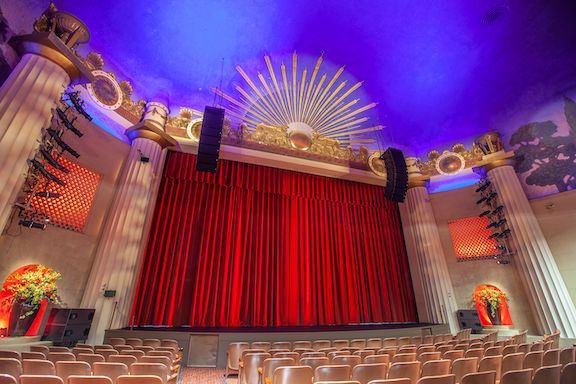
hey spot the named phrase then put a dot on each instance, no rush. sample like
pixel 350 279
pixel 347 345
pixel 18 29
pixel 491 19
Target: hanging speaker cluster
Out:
pixel 210 136
pixel 396 174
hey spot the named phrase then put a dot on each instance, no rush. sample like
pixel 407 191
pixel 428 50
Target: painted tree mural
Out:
pixel 549 159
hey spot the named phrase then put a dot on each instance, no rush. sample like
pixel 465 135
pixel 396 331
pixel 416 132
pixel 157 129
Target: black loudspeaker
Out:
pixel 210 136
pixel 469 318
pixel 396 174
pixel 67 326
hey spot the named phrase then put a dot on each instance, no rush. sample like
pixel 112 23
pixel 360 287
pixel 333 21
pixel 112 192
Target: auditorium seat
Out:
pixel 533 360
pixel 391 381
pixel 83 345
pixel 58 349
pixel 302 344
pixel 547 375
pixel 436 368
pixel 11 366
pixel 7 379
pixel 512 362
pixel 427 356
pixel 172 370
pixel 154 343
pixel 491 363
pixel 320 344
pixel 475 352
pixel 551 357
pixel 493 351
pixel 306 355
pixel 314 362
pixel 293 355
pixel 40 379
pixel 567 356
pixel 389 342
pixel 69 368
pixel 38 367
pixel 464 366
pixel 374 359
pixel 32 355
pixel 136 353
pixel 40 348
pixel 10 355
pixel 170 343
pixel 281 345
pixel 264 345
pixel 425 349
pixel 60 356
pixel 133 341
pixel 106 353
pixel 509 349
pixel 521 376
pixel 338 382
pixel 453 356
pixel 144 348
pixel 300 351
pixel 128 360
pixel 89 380
pixel 292 375
pixel 402 341
pixel 537 346
pixel 358 343
pixel 390 351
pixel 568 375
pixel 480 378
pixel 145 369
pixel 122 348
pixel 250 364
pixel 114 341
pixel 365 373
pixel 270 364
pixel 110 369
pixel 364 352
pixel 374 342
pixel 350 360
pixel 332 373
pixel 78 350
pixel 138 379
pixel 409 369
pixel 407 349
pixel 90 358
pixel 443 379
pixel 403 357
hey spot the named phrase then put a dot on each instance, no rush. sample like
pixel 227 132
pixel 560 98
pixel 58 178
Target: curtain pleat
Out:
pixel 259 246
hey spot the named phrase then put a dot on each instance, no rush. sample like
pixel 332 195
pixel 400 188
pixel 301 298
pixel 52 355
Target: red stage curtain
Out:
pixel 259 246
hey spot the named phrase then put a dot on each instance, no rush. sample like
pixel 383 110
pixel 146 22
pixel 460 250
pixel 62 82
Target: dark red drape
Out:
pixel 260 246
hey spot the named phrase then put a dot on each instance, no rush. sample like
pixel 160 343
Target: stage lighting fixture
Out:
pixel 67 123
pixel 500 223
pixel 52 161
pixel 144 159
pixel 497 210
pixel 483 186
pixel 496 234
pixel 504 233
pixel 481 200
pixel 491 225
pixel 485 213
pixel 40 168
pixel 32 224
pixel 79 105
pixel 54 135
pixel 46 194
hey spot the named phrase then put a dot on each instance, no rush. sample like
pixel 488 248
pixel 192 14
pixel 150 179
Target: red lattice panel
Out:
pixel 470 238
pixel 69 211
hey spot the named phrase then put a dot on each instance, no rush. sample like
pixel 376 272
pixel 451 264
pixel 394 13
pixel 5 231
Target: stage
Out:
pixel 206 347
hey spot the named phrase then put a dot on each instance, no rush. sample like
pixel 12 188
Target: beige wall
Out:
pixel 68 252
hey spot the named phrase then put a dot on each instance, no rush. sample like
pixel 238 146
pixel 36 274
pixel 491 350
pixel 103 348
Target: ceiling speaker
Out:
pixel 210 136
pixel 396 174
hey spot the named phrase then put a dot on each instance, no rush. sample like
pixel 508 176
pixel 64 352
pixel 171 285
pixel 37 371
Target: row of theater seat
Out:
pixel 88 364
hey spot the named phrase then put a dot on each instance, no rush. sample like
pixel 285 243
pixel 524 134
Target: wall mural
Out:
pixel 546 152
pixel 5 34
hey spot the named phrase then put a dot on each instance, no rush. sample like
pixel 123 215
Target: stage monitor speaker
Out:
pixel 210 136
pixel 67 326
pixel 396 174
pixel 469 318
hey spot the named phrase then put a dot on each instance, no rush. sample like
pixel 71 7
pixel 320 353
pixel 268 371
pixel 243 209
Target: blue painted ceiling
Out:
pixel 440 70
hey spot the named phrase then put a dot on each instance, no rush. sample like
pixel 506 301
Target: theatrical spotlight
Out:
pixel 496 234
pixel 46 194
pixel 68 123
pixel 40 168
pixel 500 223
pixel 32 224
pixel 65 147
pixel 504 233
pixel 492 225
pixel 483 186
pixel 79 105
pixel 485 213
pixel 52 161
pixel 481 200
pixel 497 210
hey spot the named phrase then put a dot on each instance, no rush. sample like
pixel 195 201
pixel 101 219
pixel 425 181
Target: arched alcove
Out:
pixel 500 315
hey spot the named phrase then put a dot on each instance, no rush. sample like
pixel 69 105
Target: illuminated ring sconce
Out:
pixel 450 163
pixel 193 129
pixel 376 165
pixel 105 91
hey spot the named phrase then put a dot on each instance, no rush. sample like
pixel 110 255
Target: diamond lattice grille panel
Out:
pixel 69 211
pixel 470 238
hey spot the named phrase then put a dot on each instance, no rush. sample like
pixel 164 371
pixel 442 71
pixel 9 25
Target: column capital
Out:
pixel 498 163
pixel 415 176
pixel 152 126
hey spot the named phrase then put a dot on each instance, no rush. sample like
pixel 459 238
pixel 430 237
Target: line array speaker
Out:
pixel 210 136
pixel 67 326
pixel 396 174
pixel 469 318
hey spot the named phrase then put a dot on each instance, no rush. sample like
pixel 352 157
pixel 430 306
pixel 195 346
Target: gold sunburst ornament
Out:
pixel 306 108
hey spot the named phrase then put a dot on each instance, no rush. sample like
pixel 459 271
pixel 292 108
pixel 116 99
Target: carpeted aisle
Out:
pixel 205 376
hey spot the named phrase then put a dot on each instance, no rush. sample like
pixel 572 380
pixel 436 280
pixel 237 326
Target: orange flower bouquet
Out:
pixel 30 286
pixel 491 298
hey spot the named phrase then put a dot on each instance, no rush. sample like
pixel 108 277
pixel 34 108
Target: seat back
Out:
pixel 491 363
pixel 567 356
pixel 314 362
pixel 374 359
pixel 138 379
pixel 38 367
pixel 122 348
pixel 351 360
pixel 106 353
pixel 156 369
pixel 464 366
pixel 281 345
pixel 170 343
pixel 265 345
pixel 408 369
pixel 10 366
pixel 551 357
pixel 32 356
pixel 7 379
pixel 10 355
pixel 137 354
pixel 40 348
pixel 293 375
pixel 307 355
pixel 364 373
pixel 358 343
pixel 547 375
pixel 154 343
pixel 40 379
pixel 425 349
pixel 436 368
pixel 270 364
pixel 488 377
pixel 519 376
pixel 251 363
pixel 319 344
pixel 302 344
pixel 374 342
pixel 441 379
pixel 533 360
pixel 427 356
pixel 89 380
pixel 110 369
pixel 127 360
pixel 389 342
pixel 509 349
pixel 133 341
pixel 475 352
pixel 332 373
pixel 77 350
pixel 90 358
pixel 69 368
pixel 568 375
pixel 114 341
pixel 493 351
pixel 59 349
pixel 60 356
pixel 364 352
pixel 453 355
pixel 512 362
pixel 403 357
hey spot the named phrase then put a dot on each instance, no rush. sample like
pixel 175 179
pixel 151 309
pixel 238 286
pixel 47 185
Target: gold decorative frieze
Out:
pixel 451 161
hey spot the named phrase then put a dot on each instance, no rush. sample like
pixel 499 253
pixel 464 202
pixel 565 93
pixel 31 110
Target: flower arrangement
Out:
pixel 490 296
pixel 31 285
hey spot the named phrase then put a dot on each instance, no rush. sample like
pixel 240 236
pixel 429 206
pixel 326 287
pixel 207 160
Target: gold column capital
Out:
pixel 498 163
pixel 148 130
pixel 416 182
pixel 50 46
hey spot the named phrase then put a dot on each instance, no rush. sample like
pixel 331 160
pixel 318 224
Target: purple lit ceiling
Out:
pixel 441 70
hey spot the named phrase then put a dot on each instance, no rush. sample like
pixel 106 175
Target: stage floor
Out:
pixel 206 347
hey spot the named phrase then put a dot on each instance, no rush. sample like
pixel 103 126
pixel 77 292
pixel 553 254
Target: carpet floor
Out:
pixel 205 376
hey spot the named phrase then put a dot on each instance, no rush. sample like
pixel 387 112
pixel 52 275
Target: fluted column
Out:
pixel 549 298
pixel 439 305
pixel 119 254
pixel 46 68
